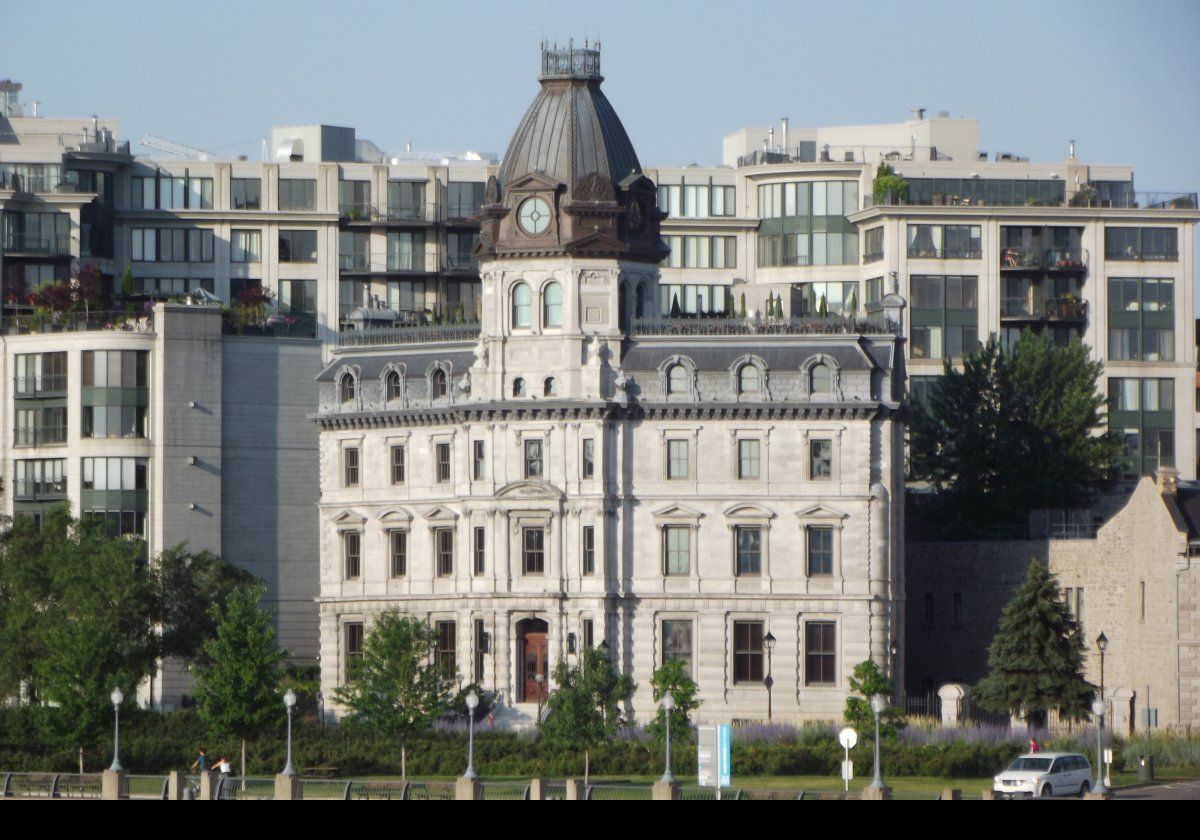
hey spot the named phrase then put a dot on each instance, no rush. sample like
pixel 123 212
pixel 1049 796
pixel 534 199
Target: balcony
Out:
pixel 1018 307
pixel 275 325
pixel 1061 310
pixel 422 213
pixel 53 246
pixel 462 262
pixel 931 253
pixel 142 322
pixel 26 490
pixel 410 334
pixel 1021 259
pixel 354 262
pixel 1087 197
pixel 460 212
pixel 1067 310
pixel 41 184
pixel 1066 259
pixel 39 435
pixel 38 387
pixel 358 212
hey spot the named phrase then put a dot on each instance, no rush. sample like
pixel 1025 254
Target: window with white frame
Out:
pixel 748 460
pixel 819 539
pixel 443 547
pixel 397 459
pixel 534 463
pixel 352 554
pixel 749 380
pixel 820 459
pixel 589 549
pixel 533 550
pixel 748 652
pixel 748 550
pixel 350 466
pixel 552 305
pixel 677 550
pixel 522 306
pixel 589 458
pixel 820 653
pixel 398 547
pixel 677 643
pixel 677 459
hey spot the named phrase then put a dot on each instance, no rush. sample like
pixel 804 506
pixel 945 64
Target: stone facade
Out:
pixel 1134 580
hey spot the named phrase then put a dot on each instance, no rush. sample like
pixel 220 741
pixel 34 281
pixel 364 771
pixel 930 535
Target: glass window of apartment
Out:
pixel 748 460
pixel 748 544
pixel 478 460
pixel 1142 411
pixel 677 380
pixel 533 550
pixel 820 550
pixel 552 305
pixel 350 466
pixel 245 246
pixel 533 458
pixel 41 374
pixel 406 252
pixel 522 306
pixel 589 458
pixel 406 200
pixel 443 462
pixel 480 549
pixel 874 290
pixel 945 317
pixel 398 546
pixel 589 549
pixel 821 299
pixel 1122 243
pixel 873 245
pixel 820 459
pixel 443 542
pixel 298 246
pixel 820 653
pixel 352 554
pixel 677 550
pixel 1141 319
pixel 245 193
pixel 677 643
pixel 40 426
pixel 445 654
pixel 464 198
pixel 962 242
pixel 925 241
pixel 354 199
pixel 747 652
pixel 297 194
pixel 40 479
pixel 677 459
pixel 397 459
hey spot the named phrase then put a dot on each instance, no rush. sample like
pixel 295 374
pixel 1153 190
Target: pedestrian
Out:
pixel 1033 745
pixel 225 784
pixel 201 761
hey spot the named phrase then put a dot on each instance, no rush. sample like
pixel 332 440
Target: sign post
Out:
pixel 847 738
pixel 714 764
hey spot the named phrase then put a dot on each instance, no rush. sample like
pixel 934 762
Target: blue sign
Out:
pixel 724 745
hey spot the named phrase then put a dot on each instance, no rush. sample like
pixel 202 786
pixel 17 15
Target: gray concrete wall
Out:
pixel 270 477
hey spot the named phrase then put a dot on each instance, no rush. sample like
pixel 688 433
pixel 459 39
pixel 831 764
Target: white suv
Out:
pixel 1044 774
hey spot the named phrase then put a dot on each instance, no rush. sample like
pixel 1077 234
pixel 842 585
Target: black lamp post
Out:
pixel 769 681
pixel 894 650
pixel 1102 645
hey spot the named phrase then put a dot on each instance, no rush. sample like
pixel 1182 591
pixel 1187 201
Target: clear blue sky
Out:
pixel 1121 78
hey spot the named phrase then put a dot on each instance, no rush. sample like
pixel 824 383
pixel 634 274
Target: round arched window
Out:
pixel 391 386
pixel 522 306
pixel 437 384
pixel 677 380
pixel 518 387
pixel 552 305
pixel 346 387
pixel 822 380
pixel 550 387
pixel 749 380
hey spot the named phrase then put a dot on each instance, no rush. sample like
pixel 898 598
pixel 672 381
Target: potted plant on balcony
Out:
pixel 250 308
pixel 888 187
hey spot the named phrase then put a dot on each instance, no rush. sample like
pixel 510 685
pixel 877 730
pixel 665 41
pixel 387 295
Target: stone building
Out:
pixel 1128 570
pixel 579 470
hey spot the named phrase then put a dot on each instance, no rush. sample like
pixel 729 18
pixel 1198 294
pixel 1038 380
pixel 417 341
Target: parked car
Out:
pixel 1043 775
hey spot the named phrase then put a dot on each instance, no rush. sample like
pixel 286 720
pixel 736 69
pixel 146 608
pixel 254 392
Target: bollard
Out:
pixel 666 790
pixel 537 789
pixel 287 787
pixel 110 784
pixel 988 793
pixel 575 789
pixel 176 785
pixel 875 794
pixel 468 789
pixel 952 793
pixel 207 778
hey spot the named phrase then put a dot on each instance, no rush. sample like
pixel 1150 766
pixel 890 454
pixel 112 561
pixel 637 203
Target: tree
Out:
pixel 584 711
pixel 396 691
pixel 1013 432
pixel 673 676
pixel 189 584
pixel 77 608
pixel 867 681
pixel 1036 660
pixel 888 186
pixel 237 692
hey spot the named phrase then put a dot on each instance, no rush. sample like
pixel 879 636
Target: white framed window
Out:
pixel 749 459
pixel 677 550
pixel 677 460
pixel 522 306
pixel 552 305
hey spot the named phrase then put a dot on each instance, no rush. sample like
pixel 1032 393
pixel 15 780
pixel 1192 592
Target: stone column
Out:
pixel 575 789
pixel 207 786
pixel 110 784
pixel 951 695
pixel 666 790
pixel 468 789
pixel 176 785
pixel 537 789
pixel 877 794
pixel 287 787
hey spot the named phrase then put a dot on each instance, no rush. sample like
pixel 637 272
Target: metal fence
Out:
pixel 244 787
pixel 505 790
pixel 144 787
pixel 617 792
pixel 430 790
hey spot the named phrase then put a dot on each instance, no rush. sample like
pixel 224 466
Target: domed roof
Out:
pixel 571 129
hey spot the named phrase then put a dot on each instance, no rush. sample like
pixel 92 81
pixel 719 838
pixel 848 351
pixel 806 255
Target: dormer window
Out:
pixel 391 386
pixel 749 380
pixel 437 384
pixel 522 306
pixel 550 387
pixel 821 379
pixel 346 387
pixel 677 380
pixel 518 387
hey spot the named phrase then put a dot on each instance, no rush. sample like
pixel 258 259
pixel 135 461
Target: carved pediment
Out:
pixel 821 512
pixel 531 182
pixel 593 187
pixel 349 517
pixel 530 489
pixel 677 511
pixel 395 516
pixel 748 511
pixel 440 513
pixel 595 240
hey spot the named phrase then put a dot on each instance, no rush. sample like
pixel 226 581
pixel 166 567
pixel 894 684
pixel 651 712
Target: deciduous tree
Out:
pixel 584 709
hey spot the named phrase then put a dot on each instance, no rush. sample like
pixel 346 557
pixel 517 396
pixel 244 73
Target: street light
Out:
pixel 1098 711
pixel 539 679
pixel 894 650
pixel 117 698
pixel 878 704
pixel 1102 645
pixel 289 701
pixel 472 703
pixel 668 705
pixel 769 682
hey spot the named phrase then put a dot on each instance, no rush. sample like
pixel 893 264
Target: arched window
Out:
pixel 437 384
pixel 677 380
pixel 522 306
pixel 749 380
pixel 552 305
pixel 550 387
pixel 346 387
pixel 518 387
pixel 821 379
pixel 623 307
pixel 391 386
pixel 639 301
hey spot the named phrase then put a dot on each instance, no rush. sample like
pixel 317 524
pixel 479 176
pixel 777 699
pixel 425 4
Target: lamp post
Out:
pixel 769 681
pixel 1098 711
pixel 668 706
pixel 1102 646
pixel 320 707
pixel 117 698
pixel 289 702
pixel 894 650
pixel 539 679
pixel 878 704
pixel 472 703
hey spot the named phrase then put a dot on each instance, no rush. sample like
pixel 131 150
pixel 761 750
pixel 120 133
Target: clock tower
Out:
pixel 569 243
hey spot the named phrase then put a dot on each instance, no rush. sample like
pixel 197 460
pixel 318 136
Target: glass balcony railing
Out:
pixel 354 262
pixel 54 246
pixel 413 213
pixel 1066 309
pixel 461 262
pixel 1066 259
pixel 1020 258
pixel 25 490
pixel 39 386
pixel 39 435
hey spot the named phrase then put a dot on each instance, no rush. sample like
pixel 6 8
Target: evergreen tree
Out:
pixel 672 676
pixel 867 681
pixel 1013 432
pixel 1036 660
pixel 237 692
pixel 584 709
pixel 395 691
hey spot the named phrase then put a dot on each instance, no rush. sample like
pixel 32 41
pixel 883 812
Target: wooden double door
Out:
pixel 534 659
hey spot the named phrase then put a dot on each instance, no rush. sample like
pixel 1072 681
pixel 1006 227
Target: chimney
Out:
pixel 784 120
pixel 1071 149
pixel 771 138
pixel 1168 480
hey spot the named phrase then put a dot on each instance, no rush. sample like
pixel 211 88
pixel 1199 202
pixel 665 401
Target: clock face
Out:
pixel 637 217
pixel 534 216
